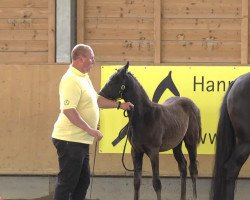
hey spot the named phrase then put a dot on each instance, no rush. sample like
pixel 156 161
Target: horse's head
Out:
pixel 116 86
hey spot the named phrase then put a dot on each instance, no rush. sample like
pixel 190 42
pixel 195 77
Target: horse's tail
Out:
pixel 197 119
pixel 225 142
pixel 194 130
pixel 199 127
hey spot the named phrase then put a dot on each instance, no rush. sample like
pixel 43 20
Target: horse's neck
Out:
pixel 139 98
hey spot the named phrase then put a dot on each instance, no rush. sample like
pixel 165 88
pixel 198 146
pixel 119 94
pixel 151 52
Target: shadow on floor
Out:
pixel 49 197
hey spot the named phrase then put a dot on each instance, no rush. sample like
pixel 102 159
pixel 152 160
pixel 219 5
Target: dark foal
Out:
pixel 157 128
pixel 233 139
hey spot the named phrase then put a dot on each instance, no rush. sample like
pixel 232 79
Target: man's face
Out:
pixel 88 61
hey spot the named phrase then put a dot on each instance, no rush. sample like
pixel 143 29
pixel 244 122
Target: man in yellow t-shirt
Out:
pixel 76 126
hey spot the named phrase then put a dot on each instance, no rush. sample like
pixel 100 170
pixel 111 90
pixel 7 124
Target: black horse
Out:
pixel 233 138
pixel 157 128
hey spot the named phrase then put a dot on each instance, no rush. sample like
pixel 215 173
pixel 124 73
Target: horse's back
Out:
pixel 184 102
pixel 171 100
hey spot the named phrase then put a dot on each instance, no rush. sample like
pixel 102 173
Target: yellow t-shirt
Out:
pixel 76 91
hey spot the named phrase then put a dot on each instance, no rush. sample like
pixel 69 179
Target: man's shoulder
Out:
pixel 68 76
pixel 68 80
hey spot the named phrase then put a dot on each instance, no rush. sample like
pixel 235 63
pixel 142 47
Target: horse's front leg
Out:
pixel 154 158
pixel 137 161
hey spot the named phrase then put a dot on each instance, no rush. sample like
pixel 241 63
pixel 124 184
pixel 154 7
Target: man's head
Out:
pixel 82 57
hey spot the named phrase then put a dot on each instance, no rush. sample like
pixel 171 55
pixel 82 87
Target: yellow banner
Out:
pixel 206 86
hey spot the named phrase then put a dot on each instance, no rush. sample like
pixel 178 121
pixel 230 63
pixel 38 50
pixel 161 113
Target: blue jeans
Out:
pixel 74 174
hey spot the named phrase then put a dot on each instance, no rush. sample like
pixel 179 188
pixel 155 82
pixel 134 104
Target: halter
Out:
pixel 123 87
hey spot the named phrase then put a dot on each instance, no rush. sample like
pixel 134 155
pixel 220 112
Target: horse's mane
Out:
pixel 137 85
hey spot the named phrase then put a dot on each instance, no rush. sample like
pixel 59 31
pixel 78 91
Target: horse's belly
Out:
pixel 171 142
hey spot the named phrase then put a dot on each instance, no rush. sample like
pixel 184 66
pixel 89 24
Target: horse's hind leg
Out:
pixel 233 167
pixel 192 153
pixel 137 161
pixel 182 164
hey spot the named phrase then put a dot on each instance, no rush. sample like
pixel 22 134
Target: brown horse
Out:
pixel 157 128
pixel 233 139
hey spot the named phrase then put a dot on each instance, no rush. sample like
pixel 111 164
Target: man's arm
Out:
pixel 74 117
pixel 107 103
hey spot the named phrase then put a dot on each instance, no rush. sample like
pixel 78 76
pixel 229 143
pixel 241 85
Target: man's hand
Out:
pixel 127 106
pixel 96 134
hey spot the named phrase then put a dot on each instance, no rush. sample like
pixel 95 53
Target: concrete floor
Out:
pixel 110 188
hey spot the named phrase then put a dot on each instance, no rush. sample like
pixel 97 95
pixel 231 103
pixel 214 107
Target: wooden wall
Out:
pixel 27 30
pixel 166 31
pixel 151 31
pixel 29 107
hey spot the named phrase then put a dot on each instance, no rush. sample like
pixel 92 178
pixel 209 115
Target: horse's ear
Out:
pixel 126 67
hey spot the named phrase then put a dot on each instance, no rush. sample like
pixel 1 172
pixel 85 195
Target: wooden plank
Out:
pixel 118 28
pixel 120 9
pixel 21 23
pixel 23 57
pixel 24 13
pixel 23 35
pixel 122 50
pixel 204 24
pixel 22 45
pixel 119 2
pixel 157 31
pixel 204 1
pixel 203 51
pixel 80 21
pixel 202 9
pixel 118 34
pixel 119 23
pixel 99 4
pixel 200 35
pixel 24 4
pixel 51 31
pixel 244 32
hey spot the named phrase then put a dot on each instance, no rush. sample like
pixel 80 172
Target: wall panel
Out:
pixel 201 9
pixel 203 52
pixel 120 30
pixel 201 31
pixel 210 29
pixel 27 29
pixel 29 96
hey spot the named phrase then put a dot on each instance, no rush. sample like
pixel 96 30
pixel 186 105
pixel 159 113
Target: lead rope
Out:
pixel 124 148
pixel 93 171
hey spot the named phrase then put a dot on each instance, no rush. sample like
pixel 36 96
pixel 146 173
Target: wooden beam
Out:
pixel 157 31
pixel 244 32
pixel 51 31
pixel 80 21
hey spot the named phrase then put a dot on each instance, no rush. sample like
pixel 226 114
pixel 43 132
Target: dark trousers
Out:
pixel 74 176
